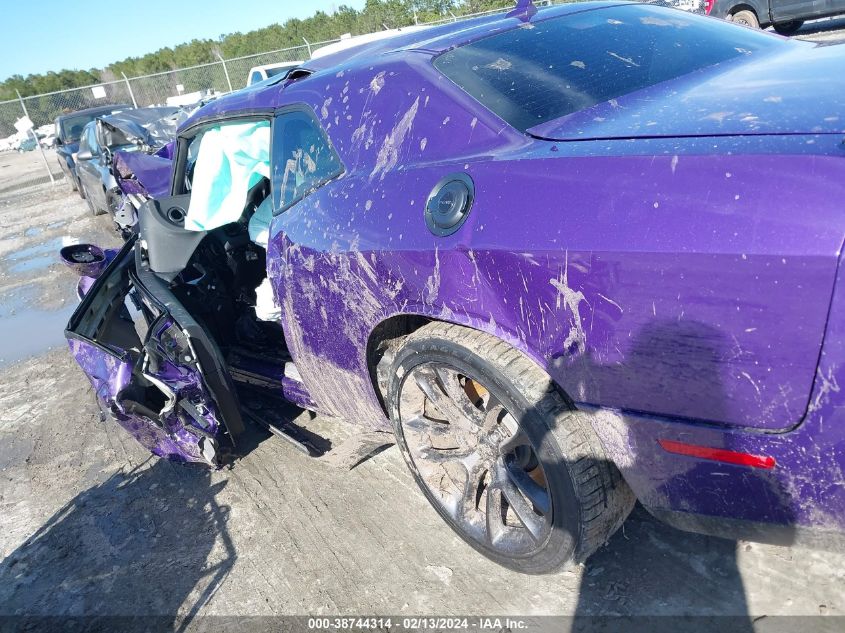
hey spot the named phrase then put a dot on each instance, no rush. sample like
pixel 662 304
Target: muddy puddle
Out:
pixel 28 329
pixel 37 257
pixel 38 293
pixel 32 332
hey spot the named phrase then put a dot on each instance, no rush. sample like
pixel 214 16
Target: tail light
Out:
pixel 708 6
pixel 718 454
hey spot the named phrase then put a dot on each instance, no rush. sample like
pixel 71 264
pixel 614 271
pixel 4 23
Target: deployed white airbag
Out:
pixel 232 158
pixel 259 223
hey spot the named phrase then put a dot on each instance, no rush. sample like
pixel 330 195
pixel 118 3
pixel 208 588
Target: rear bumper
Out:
pixel 801 498
pixel 804 491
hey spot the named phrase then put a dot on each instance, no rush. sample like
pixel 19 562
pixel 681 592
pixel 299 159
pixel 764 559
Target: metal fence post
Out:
pixel 35 136
pixel 308 44
pixel 129 88
pixel 225 70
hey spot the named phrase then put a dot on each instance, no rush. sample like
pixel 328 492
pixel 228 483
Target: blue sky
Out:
pixel 82 34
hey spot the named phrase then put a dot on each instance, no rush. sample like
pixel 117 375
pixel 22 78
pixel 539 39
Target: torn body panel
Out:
pixel 144 367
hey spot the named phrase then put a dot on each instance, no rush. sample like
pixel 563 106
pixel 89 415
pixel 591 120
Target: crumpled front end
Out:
pixel 139 177
pixel 144 368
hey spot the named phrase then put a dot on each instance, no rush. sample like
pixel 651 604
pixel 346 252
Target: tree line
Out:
pixel 374 16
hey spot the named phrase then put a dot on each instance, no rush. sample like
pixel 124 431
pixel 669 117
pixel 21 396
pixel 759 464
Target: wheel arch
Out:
pixel 392 329
pixel 758 9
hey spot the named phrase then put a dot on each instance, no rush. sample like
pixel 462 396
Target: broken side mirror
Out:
pixel 86 260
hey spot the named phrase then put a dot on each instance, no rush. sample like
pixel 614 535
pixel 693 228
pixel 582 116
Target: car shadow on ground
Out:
pixel 821 26
pixel 154 541
pixel 649 569
pixel 112 551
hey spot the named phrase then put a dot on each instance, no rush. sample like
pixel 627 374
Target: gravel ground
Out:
pixel 827 30
pixel 90 524
pixel 19 170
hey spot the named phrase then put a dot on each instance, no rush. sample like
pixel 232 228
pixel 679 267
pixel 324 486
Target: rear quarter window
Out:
pixel 550 68
pixel 303 158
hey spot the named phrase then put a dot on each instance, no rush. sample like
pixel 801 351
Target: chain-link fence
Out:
pixel 217 77
pixel 214 78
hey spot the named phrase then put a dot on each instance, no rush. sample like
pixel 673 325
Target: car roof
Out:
pixel 432 40
pixel 277 65
pixel 93 111
pixel 442 37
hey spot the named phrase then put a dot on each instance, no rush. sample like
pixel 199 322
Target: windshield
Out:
pixel 551 68
pixel 70 126
pixel 272 72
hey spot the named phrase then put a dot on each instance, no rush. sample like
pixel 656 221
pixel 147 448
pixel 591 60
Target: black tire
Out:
pixel 788 28
pixel 69 175
pixel 113 201
pixel 588 499
pixel 91 206
pixel 746 17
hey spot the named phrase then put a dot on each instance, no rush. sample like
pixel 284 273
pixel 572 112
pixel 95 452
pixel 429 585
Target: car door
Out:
pixel 96 188
pixel 787 10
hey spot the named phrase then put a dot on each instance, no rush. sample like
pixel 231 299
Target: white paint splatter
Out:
pixel 500 64
pixel 624 60
pixel 571 300
pixel 388 155
pixel 828 385
pixel 432 284
pixel 377 83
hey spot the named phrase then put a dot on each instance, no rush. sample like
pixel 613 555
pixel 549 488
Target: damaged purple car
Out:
pixel 571 258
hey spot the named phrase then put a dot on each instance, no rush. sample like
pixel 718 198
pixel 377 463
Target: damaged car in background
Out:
pixel 145 130
pixel 535 248
pixel 69 128
pixel 139 177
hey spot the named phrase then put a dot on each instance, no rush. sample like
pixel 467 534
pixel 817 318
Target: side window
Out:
pixel 255 77
pixel 92 139
pixel 191 159
pixel 303 159
pixel 83 143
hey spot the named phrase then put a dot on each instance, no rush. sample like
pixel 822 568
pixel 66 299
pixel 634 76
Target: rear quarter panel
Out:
pixel 684 279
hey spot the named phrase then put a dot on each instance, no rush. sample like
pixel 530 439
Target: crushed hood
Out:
pixel 151 127
pixel 143 173
pixel 798 91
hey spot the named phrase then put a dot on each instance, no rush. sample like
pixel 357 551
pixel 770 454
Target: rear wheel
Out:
pixel 788 28
pixel 500 453
pixel 746 17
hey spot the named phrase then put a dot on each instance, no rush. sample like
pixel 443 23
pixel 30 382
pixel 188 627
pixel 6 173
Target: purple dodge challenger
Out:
pixel 572 258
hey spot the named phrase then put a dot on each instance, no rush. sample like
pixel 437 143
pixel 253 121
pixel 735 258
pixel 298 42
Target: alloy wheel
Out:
pixel 474 458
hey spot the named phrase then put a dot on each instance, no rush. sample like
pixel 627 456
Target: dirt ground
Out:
pixel 90 524
pixel 22 169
